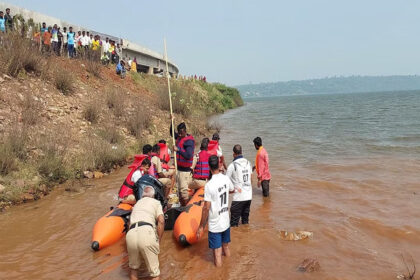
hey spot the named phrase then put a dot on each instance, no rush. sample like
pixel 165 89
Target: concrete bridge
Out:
pixel 148 61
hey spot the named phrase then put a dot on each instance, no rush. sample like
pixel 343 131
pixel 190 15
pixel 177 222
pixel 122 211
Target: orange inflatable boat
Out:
pixel 186 225
pixel 111 227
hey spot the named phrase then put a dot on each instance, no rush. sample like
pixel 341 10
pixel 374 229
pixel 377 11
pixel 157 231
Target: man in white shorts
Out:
pixel 216 212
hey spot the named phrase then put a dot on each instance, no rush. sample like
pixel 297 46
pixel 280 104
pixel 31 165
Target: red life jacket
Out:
pixel 202 168
pixel 183 162
pixel 165 166
pixel 213 147
pixel 127 186
pixel 164 153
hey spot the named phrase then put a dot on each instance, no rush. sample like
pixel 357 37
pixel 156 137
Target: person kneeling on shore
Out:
pixel 216 212
pixel 145 233
pixel 239 172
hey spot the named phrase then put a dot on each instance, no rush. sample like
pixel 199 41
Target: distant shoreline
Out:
pixel 329 93
pixel 354 84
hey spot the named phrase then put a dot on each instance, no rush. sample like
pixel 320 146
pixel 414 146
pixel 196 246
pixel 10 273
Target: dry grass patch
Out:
pixel 63 81
pixel 138 122
pixel 111 134
pixel 116 101
pixel 92 111
pixel 17 54
pixel 93 67
pixel 98 154
pixel 51 164
pixel 12 149
pixel 30 110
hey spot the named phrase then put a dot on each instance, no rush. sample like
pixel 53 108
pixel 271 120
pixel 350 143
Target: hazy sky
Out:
pixel 242 41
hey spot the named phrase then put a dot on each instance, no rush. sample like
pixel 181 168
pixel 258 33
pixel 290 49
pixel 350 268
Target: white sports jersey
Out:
pixel 217 192
pixel 239 172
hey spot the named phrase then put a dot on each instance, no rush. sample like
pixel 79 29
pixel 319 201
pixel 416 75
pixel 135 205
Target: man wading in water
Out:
pixel 261 166
pixel 239 172
pixel 216 211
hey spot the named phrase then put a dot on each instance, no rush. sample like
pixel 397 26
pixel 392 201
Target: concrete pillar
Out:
pixel 150 71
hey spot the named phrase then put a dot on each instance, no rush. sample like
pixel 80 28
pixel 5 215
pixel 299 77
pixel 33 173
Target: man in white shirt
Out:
pixel 64 50
pixel 239 172
pixel 105 46
pixel 216 212
pixel 84 40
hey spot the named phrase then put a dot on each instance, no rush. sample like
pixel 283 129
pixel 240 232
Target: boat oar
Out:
pixel 170 105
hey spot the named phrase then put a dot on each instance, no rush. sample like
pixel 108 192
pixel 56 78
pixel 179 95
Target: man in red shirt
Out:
pixel 262 167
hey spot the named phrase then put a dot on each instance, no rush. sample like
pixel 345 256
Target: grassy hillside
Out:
pixel 62 119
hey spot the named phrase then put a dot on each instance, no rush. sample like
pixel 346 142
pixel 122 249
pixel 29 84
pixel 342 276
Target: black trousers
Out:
pixel 265 187
pixel 238 210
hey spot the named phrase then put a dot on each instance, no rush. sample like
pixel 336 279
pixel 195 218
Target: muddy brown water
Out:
pixel 364 211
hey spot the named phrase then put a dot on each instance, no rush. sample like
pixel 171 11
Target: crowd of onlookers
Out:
pixel 193 77
pixel 81 44
pixel 69 43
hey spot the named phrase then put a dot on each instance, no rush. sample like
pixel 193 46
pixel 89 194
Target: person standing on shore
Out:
pixel 2 23
pixel 9 20
pixel 262 167
pixel 239 172
pixel 184 149
pixel 54 39
pixel 146 230
pixel 216 212
pixel 64 46
pixel 47 41
pixel 70 42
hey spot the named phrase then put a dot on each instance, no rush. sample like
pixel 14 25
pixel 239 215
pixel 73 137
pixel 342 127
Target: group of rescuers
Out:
pixel 193 172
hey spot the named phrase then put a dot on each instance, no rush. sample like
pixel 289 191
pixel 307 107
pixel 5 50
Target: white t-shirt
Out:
pixel 239 172
pixel 216 191
pixel 105 46
pixel 136 175
pixel 85 40
pixel 219 151
pixel 64 37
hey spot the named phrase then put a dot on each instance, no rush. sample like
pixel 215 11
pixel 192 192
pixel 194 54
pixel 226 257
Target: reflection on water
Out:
pixel 345 167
